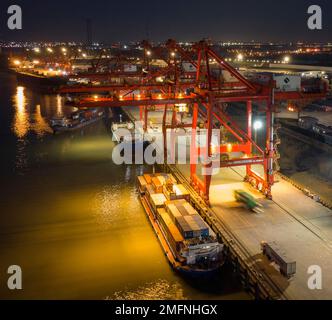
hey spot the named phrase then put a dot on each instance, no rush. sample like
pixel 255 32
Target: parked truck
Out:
pixel 274 253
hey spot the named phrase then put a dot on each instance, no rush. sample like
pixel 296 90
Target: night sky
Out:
pixel 125 20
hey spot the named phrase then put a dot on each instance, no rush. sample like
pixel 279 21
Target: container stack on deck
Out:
pixel 172 233
pixel 189 238
pixel 186 218
pixel 169 202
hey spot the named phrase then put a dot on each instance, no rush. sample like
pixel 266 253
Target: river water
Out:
pixel 70 217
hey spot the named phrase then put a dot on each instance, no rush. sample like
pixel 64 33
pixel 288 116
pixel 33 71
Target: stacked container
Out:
pixel 186 218
pixel 174 237
pixel 142 184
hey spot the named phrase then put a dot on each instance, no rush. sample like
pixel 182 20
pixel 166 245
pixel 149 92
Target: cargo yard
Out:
pixel 210 116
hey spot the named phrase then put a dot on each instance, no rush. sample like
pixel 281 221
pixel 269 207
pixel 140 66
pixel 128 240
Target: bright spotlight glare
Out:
pixel 258 125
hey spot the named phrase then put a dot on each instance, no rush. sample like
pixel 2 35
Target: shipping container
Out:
pixel 162 179
pixel 142 184
pixel 284 82
pixel 164 216
pixel 173 211
pixel 275 253
pixel 171 232
pixel 193 226
pixel 189 208
pixel 179 202
pixel 148 178
pixel 182 210
pixel 181 192
pixel 157 200
pixel 168 192
pixel 204 228
pixel 179 208
pixel 201 225
pixel 184 228
pixel 149 190
pixel 158 186
pixel 287 82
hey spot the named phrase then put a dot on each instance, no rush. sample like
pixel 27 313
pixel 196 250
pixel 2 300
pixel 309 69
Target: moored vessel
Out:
pixel 41 82
pixel 189 243
pixel 77 120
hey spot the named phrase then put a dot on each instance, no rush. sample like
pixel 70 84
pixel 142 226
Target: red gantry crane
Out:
pixel 205 93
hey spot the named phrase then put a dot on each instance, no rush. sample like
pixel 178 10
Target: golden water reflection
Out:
pixel 156 290
pixel 25 120
pixel 40 126
pixel 59 109
pixel 21 120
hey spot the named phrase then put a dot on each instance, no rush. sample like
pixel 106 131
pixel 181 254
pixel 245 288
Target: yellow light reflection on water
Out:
pixel 21 121
pixel 40 126
pixel 59 105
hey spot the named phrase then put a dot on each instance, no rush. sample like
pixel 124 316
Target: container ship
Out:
pixel 192 248
pixel 77 120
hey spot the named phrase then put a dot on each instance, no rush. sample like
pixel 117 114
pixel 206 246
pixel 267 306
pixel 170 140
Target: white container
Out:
pixel 287 83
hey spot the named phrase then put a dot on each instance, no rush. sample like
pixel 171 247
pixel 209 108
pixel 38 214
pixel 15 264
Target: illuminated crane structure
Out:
pixel 205 93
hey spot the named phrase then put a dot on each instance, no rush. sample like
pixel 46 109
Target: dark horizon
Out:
pixel 184 21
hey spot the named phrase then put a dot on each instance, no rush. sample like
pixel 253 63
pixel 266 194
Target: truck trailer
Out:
pixel 273 252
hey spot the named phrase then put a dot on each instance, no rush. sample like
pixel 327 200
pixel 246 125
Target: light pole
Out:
pixel 258 124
